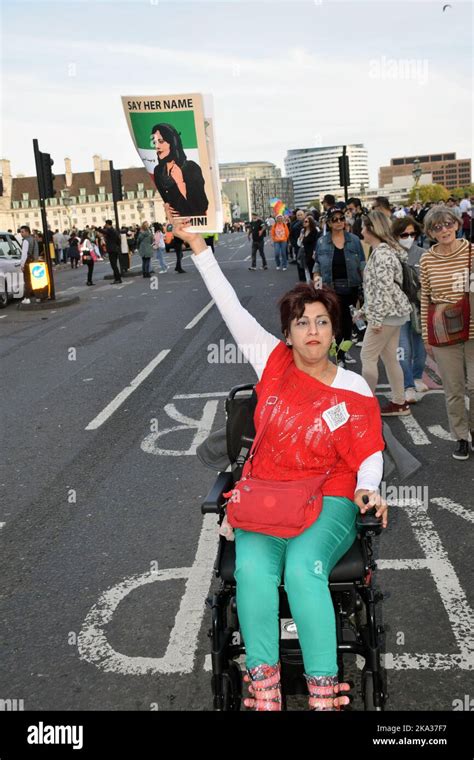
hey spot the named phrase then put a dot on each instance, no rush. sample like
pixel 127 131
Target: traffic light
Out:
pixel 344 176
pixel 116 179
pixel 47 175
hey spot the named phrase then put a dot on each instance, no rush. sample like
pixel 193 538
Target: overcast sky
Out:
pixel 395 76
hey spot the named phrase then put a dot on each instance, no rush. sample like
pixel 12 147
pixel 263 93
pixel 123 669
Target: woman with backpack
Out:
pixel 73 251
pixel 145 248
pixel 386 308
pixel 413 353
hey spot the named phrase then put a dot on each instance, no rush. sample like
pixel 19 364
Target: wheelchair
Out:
pixel 350 584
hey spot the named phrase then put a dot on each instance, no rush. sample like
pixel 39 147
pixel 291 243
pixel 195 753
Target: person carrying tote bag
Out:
pixel 447 320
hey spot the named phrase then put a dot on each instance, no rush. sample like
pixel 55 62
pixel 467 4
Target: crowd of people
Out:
pixel 372 260
pixel 386 267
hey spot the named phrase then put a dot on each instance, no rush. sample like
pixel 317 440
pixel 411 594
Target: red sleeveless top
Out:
pixel 300 441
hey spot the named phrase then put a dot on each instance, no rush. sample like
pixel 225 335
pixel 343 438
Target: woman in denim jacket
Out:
pixel 339 263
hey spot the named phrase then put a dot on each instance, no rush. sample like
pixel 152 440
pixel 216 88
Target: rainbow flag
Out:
pixel 278 207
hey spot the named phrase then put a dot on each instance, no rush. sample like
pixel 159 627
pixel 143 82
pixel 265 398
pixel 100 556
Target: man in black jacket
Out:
pixel 257 232
pixel 354 206
pixel 112 245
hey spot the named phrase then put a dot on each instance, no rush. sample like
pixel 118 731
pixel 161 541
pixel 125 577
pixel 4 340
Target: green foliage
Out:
pixel 459 192
pixel 344 345
pixel 429 193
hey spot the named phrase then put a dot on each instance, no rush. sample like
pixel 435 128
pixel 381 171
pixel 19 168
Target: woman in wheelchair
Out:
pixel 323 419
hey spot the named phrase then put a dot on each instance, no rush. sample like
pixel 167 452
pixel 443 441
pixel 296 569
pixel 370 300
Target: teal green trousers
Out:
pixel 307 561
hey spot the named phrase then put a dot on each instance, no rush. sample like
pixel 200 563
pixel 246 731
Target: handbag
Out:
pixel 274 507
pixel 448 323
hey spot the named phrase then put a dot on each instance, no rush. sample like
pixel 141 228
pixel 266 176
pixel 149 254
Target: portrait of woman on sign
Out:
pixel 178 180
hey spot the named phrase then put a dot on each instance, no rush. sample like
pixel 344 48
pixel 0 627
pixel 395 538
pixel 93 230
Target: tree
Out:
pixel 459 192
pixel 316 203
pixel 429 193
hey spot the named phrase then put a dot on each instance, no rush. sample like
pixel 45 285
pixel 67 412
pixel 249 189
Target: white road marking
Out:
pixel 2 525
pixel 127 391
pixel 439 432
pixel 181 650
pixel 3 316
pixel 415 431
pixel 456 509
pixel 202 426
pixel 196 319
pixel 459 613
pixel 201 395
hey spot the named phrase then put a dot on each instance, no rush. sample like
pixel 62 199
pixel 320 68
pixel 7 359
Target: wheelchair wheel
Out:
pixel 232 688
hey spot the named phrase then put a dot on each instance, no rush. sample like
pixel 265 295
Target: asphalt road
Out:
pixel 106 559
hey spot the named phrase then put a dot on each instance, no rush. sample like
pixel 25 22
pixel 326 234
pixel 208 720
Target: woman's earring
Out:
pixel 288 343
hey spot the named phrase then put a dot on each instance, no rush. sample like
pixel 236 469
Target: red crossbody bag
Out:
pixel 283 508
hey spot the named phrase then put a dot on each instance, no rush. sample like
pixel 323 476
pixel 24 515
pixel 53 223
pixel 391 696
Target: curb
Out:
pixel 59 303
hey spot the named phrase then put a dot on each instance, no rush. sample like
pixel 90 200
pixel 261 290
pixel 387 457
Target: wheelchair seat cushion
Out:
pixel 351 566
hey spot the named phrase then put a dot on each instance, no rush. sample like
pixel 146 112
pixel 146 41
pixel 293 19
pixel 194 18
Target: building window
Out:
pixel 53 201
pixel 82 191
pixel 25 204
pixel 91 198
pixel 102 189
pixel 132 216
pixel 101 197
pixel 140 186
pixel 131 205
pixel 83 210
pixel 25 196
pixel 34 204
pixel 149 193
pixel 140 194
pixel 93 209
pixel 110 197
pixel 94 218
pixel 16 204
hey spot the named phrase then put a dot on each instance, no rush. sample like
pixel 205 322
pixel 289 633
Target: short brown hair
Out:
pixel 292 304
pixel 400 225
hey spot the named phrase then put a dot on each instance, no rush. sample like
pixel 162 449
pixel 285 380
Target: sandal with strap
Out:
pixel 264 688
pixel 324 691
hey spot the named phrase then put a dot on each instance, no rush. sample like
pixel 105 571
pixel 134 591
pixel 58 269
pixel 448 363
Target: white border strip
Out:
pixel 196 319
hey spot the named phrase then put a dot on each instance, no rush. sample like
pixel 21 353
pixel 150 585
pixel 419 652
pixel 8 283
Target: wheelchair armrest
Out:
pixel 214 499
pixel 369 524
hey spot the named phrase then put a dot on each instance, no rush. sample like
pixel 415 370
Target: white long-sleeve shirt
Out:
pixel 256 345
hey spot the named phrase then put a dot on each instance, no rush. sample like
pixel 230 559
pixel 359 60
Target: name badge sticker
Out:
pixel 336 416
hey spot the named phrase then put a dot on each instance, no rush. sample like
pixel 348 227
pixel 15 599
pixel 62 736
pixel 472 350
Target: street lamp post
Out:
pixel 67 203
pixel 417 172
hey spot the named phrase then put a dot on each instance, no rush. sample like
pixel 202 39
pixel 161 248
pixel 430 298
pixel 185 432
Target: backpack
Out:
pixel 411 282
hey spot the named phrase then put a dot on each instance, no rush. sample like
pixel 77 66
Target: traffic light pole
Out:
pixel 344 154
pixel 44 220
pixel 115 193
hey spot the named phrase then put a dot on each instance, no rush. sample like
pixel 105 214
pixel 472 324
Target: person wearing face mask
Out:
pixel 413 353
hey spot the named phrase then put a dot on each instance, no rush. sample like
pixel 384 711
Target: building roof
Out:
pixel 130 179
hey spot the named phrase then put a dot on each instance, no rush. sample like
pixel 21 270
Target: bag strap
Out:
pixel 269 404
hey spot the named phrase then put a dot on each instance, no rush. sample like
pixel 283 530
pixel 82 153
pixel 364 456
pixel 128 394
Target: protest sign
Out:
pixel 175 141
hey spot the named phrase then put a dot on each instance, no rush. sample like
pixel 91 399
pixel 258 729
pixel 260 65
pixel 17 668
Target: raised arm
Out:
pixel 255 343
